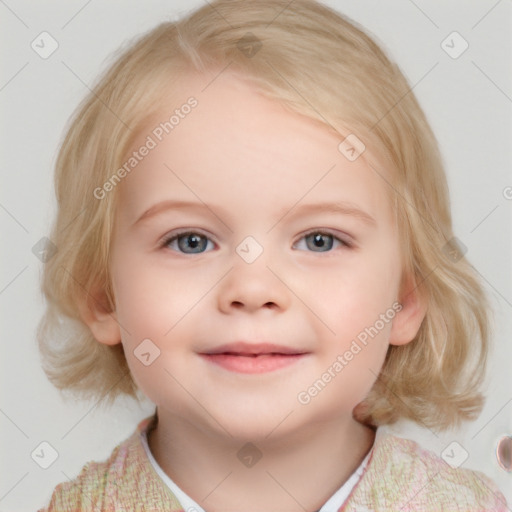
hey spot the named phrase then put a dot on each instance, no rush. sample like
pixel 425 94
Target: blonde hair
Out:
pixel 317 63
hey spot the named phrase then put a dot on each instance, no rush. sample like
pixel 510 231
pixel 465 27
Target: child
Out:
pixel 254 232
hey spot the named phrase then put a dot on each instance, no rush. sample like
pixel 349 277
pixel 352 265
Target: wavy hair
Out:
pixel 315 62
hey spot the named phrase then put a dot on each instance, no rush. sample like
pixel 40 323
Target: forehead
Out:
pixel 215 137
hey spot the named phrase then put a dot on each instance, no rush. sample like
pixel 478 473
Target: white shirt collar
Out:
pixel 333 504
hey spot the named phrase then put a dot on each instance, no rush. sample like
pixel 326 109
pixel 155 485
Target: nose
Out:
pixel 250 287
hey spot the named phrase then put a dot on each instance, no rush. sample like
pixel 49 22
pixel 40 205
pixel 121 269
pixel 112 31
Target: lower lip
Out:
pixel 253 364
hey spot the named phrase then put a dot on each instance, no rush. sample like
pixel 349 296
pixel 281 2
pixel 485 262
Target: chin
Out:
pixel 256 425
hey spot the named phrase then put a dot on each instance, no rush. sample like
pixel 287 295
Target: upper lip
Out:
pixel 247 348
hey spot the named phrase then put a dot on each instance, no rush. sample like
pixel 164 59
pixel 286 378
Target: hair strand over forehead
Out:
pixel 319 64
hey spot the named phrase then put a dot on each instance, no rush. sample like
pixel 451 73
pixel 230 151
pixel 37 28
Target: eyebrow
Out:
pixel 342 208
pixel 169 204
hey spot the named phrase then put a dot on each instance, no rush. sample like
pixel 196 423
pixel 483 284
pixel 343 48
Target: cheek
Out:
pixel 151 298
pixel 356 295
pixel 138 303
pixel 148 306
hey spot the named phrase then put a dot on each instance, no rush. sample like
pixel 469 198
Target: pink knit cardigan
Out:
pixel 400 476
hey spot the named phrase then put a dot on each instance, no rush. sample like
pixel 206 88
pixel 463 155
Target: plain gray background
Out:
pixel 468 101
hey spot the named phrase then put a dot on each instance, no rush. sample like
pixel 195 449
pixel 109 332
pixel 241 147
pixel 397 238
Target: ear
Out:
pixel 407 321
pixel 96 313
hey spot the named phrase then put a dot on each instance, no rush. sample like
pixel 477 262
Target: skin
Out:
pixel 254 165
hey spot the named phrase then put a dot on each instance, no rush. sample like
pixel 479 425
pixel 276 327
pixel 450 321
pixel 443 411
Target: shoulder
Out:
pixel 404 476
pixel 122 482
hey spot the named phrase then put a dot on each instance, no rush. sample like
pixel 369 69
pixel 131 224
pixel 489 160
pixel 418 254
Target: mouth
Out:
pixel 242 357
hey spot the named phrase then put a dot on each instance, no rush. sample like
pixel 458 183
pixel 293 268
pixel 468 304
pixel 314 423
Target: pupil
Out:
pixel 193 241
pixel 319 240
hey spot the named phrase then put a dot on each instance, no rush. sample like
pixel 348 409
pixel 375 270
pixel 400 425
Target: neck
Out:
pixel 297 472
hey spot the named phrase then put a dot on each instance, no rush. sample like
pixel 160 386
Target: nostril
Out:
pixel 240 305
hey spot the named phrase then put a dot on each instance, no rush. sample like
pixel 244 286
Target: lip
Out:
pixel 243 357
pixel 247 349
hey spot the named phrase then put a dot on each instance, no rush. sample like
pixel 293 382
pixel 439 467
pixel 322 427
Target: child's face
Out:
pixel 246 176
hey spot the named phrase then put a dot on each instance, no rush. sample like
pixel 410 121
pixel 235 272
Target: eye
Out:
pixel 319 241
pixel 189 242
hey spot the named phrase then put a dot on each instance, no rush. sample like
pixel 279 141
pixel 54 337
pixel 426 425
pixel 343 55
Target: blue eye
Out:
pixel 192 242
pixel 318 241
pixel 188 243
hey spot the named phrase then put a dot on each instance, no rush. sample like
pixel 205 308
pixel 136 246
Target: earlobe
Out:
pixel 407 321
pixel 101 321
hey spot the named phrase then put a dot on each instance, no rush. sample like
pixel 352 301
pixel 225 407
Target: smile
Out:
pixel 253 358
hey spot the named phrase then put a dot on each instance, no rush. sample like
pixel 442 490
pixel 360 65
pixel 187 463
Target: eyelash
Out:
pixel 174 236
pixel 344 244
